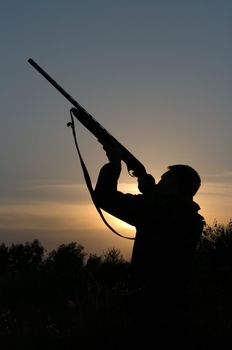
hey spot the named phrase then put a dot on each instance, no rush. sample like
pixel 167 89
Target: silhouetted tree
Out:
pixel 68 257
pixel 114 268
pixel 26 257
pixel 68 293
pixel 221 256
pixel 93 261
pixel 107 270
pixel 4 258
pixel 65 270
pixel 215 247
pixel 93 268
pixel 213 283
pixel 113 257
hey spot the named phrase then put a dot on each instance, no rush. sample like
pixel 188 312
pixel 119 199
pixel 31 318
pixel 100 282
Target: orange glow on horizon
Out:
pixel 43 215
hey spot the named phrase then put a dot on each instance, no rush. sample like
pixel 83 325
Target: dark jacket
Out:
pixel 168 229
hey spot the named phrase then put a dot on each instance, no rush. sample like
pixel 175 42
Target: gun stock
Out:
pixel 103 136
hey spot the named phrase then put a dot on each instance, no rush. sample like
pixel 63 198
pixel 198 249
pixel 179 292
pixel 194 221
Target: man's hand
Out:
pixel 113 153
pixel 146 184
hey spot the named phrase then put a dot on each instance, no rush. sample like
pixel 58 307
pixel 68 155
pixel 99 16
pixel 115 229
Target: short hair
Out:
pixel 188 178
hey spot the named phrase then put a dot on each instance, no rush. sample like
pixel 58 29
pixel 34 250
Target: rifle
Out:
pixel 103 136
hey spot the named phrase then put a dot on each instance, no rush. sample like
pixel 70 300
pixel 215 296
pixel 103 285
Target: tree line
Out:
pixel 68 292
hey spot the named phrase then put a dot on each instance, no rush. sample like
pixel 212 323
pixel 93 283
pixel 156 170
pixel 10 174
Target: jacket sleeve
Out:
pixel 121 205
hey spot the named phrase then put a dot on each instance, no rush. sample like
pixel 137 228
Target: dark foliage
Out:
pixel 213 283
pixel 69 293
pixel 60 294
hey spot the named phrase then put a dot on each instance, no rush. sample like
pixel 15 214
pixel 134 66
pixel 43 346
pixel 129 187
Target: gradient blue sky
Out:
pixel 156 74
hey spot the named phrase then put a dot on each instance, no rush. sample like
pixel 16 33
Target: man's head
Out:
pixel 180 180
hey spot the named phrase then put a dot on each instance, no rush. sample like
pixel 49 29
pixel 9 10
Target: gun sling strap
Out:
pixel 88 180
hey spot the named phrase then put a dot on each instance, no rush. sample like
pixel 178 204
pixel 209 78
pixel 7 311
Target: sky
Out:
pixel 156 74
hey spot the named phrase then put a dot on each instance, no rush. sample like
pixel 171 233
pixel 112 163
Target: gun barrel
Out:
pixel 56 85
pixel 104 137
pixel 92 124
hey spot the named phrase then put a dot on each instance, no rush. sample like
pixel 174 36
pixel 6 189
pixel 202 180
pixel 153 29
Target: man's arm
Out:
pixel 107 182
pixel 126 207
pixel 121 205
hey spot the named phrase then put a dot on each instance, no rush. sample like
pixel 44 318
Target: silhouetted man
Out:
pixel 168 228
